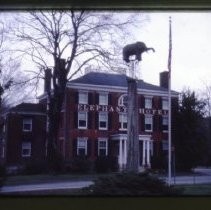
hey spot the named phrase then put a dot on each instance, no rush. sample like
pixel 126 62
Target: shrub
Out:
pixel 106 164
pixel 130 184
pixel 158 163
pixel 80 165
pixel 2 174
pixel 35 167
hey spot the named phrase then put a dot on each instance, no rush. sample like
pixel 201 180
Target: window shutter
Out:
pixel 109 120
pixel 142 101
pixel 76 119
pixel 76 97
pixel 97 98
pixel 109 99
pixel 155 125
pixel 74 147
pixel 142 122
pixel 90 120
pixel 90 98
pixel 154 102
pixel 160 103
pixel 139 122
pixel 160 126
pixel 89 147
pixel 96 147
pixel 96 120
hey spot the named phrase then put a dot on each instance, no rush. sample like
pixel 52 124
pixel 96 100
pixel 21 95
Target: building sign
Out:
pixel 122 109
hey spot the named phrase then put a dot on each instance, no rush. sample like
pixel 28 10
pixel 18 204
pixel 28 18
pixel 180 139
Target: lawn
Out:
pixel 196 189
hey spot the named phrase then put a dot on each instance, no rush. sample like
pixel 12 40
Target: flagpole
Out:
pixel 169 99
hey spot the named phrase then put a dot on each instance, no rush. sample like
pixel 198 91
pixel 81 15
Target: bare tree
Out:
pixel 206 95
pixel 13 81
pixel 68 41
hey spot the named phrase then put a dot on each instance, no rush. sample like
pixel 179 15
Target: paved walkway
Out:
pixel 46 186
pixel 201 176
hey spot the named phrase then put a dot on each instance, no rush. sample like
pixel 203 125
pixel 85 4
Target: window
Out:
pixel 102 147
pixel 27 125
pixel 83 98
pixel 103 120
pixel 165 145
pixel 148 103
pixel 148 122
pixel 165 104
pixel 103 99
pixel 123 121
pixel 82 120
pixel 165 123
pixel 26 149
pixel 123 100
pixel 82 146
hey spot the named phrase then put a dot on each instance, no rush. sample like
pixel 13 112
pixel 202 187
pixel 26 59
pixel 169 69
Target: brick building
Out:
pixel 94 118
pixel 93 121
pixel 24 134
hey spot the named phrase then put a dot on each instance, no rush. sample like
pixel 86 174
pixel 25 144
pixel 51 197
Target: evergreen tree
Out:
pixel 189 136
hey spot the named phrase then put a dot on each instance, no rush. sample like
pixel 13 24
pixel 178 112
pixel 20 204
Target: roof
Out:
pixel 98 78
pixel 28 107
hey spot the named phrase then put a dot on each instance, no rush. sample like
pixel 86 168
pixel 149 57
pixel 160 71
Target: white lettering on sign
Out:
pixel 109 108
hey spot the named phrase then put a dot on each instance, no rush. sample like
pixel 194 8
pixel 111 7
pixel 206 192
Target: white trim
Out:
pixel 150 99
pixel 121 117
pixel 27 146
pixel 106 98
pixel 98 146
pixel 85 139
pixel 83 127
pixel 106 121
pixel 27 113
pixel 27 121
pixel 117 137
pixel 151 117
pixel 119 89
pixel 80 99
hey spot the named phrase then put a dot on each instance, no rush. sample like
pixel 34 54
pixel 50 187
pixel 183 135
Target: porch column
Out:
pixel 125 152
pixel 148 153
pixel 120 153
pixel 144 155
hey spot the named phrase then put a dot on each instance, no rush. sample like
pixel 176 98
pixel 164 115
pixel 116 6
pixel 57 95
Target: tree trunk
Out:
pixel 56 98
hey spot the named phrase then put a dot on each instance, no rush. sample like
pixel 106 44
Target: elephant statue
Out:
pixel 135 49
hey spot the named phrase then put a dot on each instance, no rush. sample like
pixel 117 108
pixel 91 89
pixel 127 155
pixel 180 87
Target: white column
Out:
pixel 125 152
pixel 148 153
pixel 144 155
pixel 120 153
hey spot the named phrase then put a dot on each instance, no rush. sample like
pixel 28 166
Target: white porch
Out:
pixel 145 150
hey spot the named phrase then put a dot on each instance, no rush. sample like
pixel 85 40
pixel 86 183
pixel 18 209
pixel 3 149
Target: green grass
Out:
pixel 196 189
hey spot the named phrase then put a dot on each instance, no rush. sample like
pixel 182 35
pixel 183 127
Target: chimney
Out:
pixel 47 80
pixel 164 79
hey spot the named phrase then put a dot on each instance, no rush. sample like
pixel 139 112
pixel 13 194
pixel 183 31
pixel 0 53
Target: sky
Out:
pixel 191 49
